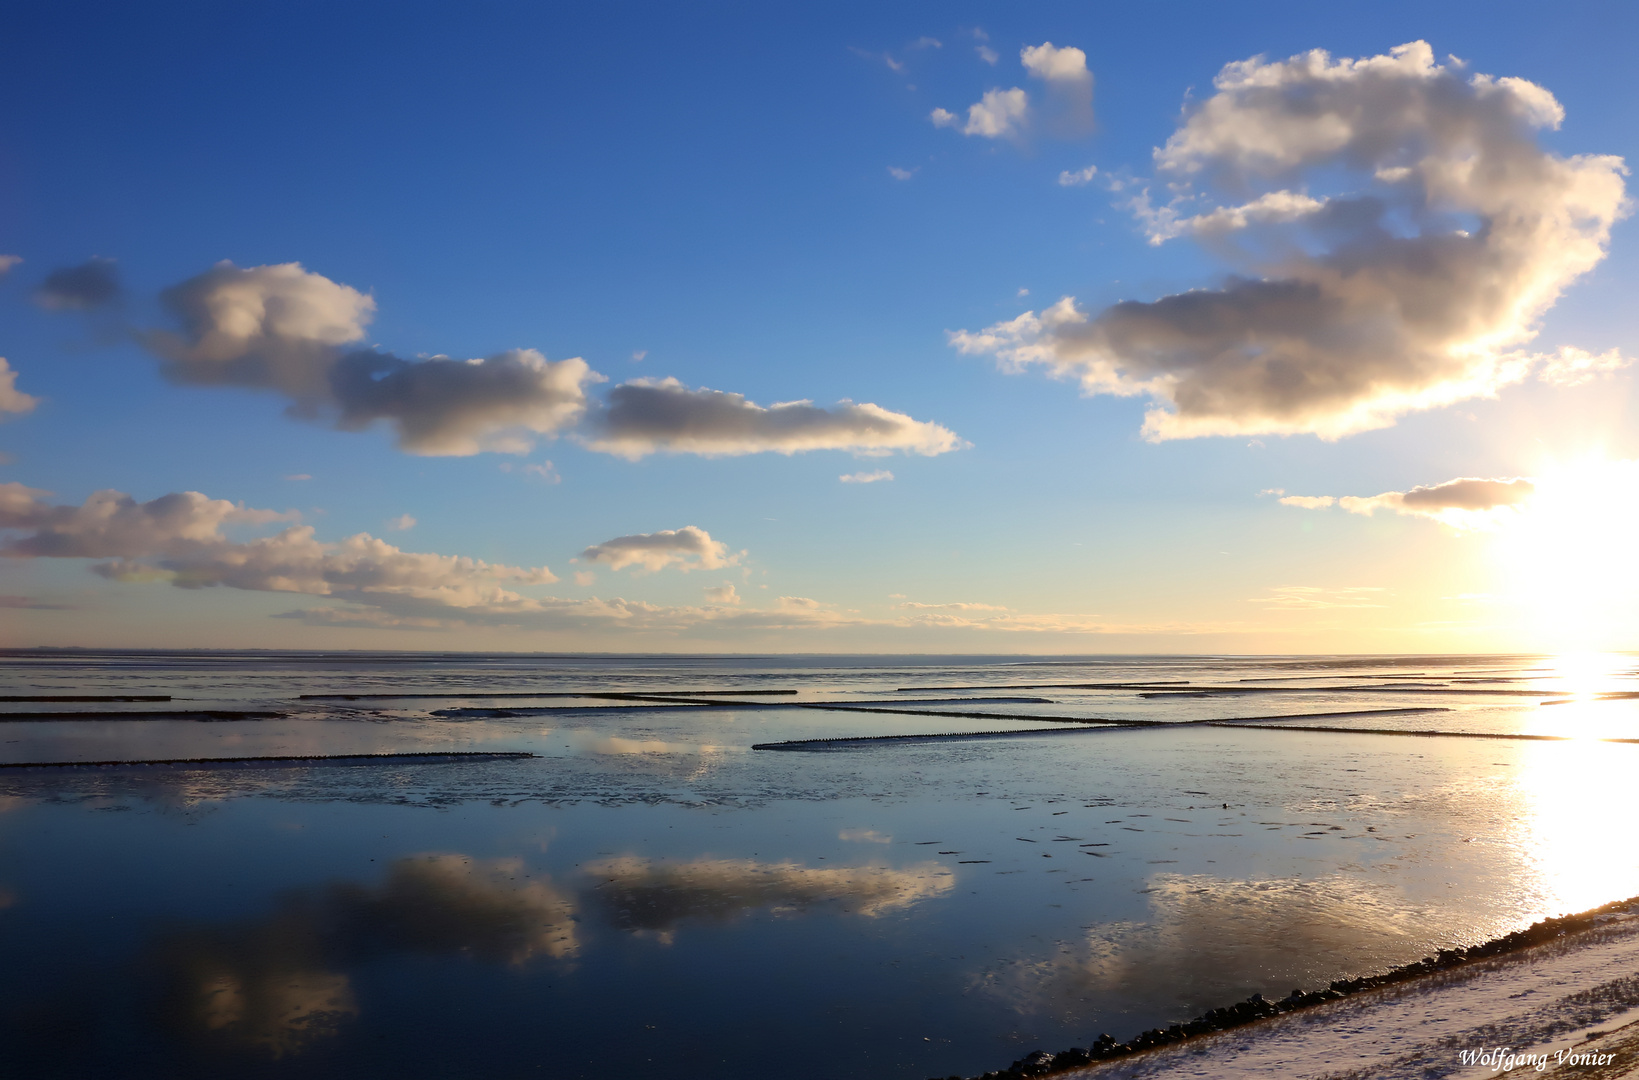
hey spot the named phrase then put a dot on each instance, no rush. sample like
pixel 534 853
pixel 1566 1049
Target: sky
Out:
pixel 936 328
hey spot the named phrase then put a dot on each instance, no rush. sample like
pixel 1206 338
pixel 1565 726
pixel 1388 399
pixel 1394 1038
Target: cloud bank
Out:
pixel 185 539
pixel 688 548
pixel 647 416
pixel 180 538
pixel 189 541
pixel 1394 232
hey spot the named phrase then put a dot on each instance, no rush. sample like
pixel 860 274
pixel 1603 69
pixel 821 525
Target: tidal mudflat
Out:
pixel 414 865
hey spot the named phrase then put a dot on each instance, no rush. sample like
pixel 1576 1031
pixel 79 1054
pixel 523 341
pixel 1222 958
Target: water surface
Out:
pixel 650 894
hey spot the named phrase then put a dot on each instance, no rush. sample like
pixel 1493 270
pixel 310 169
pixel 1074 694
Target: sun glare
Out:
pixel 1577 808
pixel 1567 558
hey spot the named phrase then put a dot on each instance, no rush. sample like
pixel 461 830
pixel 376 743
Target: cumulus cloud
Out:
pixel 402 523
pixel 1069 84
pixel 722 594
pixel 92 284
pixel 999 113
pixel 875 476
pixel 1009 114
pixel 267 327
pixel 688 548
pixel 647 416
pixel 987 54
pixel 1467 502
pixel 13 400
pixel 901 174
pixel 1393 227
pixel 284 328
pixel 445 407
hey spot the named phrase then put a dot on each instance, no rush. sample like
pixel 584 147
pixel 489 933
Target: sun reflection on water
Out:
pixel 1579 817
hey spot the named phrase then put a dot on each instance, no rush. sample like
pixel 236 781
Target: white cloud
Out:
pixel 997 114
pixel 987 54
pixel 584 578
pixel 873 477
pixel 1069 84
pixel 722 594
pixel 1079 177
pixel 901 174
pixel 1045 61
pixel 637 357
pixel 926 43
pixel 402 523
pixel 799 603
pixel 647 416
pixel 13 400
pixel 1571 366
pixel 688 548
pixel 92 284
pixel 283 328
pixel 1308 502
pixel 1343 312
pixel 1468 502
pixel 7 262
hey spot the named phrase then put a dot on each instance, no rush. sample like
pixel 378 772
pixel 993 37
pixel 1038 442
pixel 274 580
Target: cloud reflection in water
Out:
pixel 277 985
pixel 272 985
pixel 1211 940
pixel 650 896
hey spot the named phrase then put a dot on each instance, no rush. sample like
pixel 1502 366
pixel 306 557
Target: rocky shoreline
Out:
pixel 1257 1007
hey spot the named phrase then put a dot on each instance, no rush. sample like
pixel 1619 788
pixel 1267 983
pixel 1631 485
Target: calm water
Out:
pixel 650 895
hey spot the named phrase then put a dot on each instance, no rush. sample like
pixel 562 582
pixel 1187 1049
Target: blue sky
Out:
pixel 759 201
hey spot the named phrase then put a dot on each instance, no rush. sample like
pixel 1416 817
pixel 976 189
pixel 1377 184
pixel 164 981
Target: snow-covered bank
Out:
pixel 1577 994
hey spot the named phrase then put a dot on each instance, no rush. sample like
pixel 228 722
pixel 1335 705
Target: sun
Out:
pixel 1568 558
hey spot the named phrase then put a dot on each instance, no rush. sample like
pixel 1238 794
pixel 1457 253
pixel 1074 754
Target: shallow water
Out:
pixel 650 895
